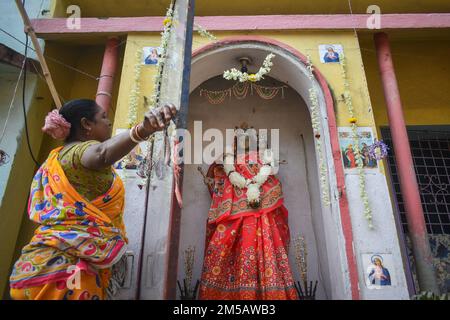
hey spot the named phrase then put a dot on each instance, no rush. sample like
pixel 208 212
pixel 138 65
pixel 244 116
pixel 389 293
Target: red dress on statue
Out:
pixel 246 250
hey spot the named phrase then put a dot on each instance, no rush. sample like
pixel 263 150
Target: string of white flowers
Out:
pixel 154 97
pixel 253 185
pixel 235 74
pixel 315 120
pixel 355 137
pixel 165 35
pixel 133 102
pixel 205 33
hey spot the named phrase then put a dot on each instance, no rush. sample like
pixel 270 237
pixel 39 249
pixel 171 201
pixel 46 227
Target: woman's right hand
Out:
pixel 157 119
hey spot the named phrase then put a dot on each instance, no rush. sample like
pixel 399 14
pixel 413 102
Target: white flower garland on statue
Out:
pixel 235 74
pixel 355 136
pixel 315 120
pixel 254 184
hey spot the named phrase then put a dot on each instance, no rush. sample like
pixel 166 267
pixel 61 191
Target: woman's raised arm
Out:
pixel 107 153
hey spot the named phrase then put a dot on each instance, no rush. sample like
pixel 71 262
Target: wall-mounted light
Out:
pixel 245 61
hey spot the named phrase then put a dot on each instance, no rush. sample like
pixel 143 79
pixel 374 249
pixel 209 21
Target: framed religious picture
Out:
pixel 150 55
pixel 132 162
pixel 378 270
pixel 348 150
pixel 330 53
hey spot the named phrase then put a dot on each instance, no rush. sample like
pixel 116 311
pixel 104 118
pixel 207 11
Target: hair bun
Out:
pixel 56 126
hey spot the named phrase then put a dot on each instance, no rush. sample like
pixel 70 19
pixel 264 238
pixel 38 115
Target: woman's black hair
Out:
pixel 74 110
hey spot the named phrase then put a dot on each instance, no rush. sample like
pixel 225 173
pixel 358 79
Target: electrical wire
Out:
pixel 11 104
pixel 51 58
pixel 23 99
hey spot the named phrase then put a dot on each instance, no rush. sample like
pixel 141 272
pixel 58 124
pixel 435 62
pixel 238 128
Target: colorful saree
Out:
pixel 246 250
pixel 73 232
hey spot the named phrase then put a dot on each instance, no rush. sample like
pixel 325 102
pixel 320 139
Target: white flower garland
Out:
pixel 315 120
pixel 234 74
pixel 154 98
pixel 165 35
pixel 253 185
pixel 133 101
pixel 358 156
pixel 204 33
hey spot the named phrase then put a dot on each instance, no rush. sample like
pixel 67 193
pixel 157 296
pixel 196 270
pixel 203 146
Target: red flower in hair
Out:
pixel 56 126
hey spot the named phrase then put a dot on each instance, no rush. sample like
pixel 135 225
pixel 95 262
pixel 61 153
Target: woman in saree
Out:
pixel 77 200
pixel 246 248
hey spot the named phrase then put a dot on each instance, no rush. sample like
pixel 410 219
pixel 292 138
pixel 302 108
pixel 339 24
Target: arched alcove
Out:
pixel 331 258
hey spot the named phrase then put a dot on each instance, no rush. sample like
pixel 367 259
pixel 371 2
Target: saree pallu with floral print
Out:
pixel 246 250
pixel 72 231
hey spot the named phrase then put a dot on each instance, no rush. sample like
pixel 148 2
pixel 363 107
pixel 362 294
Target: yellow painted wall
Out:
pixel 70 85
pixel 422 71
pixel 134 45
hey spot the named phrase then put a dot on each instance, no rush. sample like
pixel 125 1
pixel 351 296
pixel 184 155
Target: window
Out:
pixel 430 148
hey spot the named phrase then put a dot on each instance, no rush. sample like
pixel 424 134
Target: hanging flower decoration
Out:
pixel 358 157
pixel 235 74
pixel 315 120
pixel 153 100
pixel 133 102
pixel 378 150
pixel 204 33
pixel 240 90
pixel 167 21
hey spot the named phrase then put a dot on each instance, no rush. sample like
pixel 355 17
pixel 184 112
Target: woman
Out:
pixel 77 199
pixel 246 249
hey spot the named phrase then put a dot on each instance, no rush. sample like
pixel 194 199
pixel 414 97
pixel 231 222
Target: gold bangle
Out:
pixel 137 133
pixel 131 135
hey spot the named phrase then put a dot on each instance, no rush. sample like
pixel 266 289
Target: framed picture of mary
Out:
pixel 379 271
pixel 151 55
pixel 330 53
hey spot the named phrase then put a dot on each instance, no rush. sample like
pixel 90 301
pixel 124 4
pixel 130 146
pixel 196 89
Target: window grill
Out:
pixel 430 148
